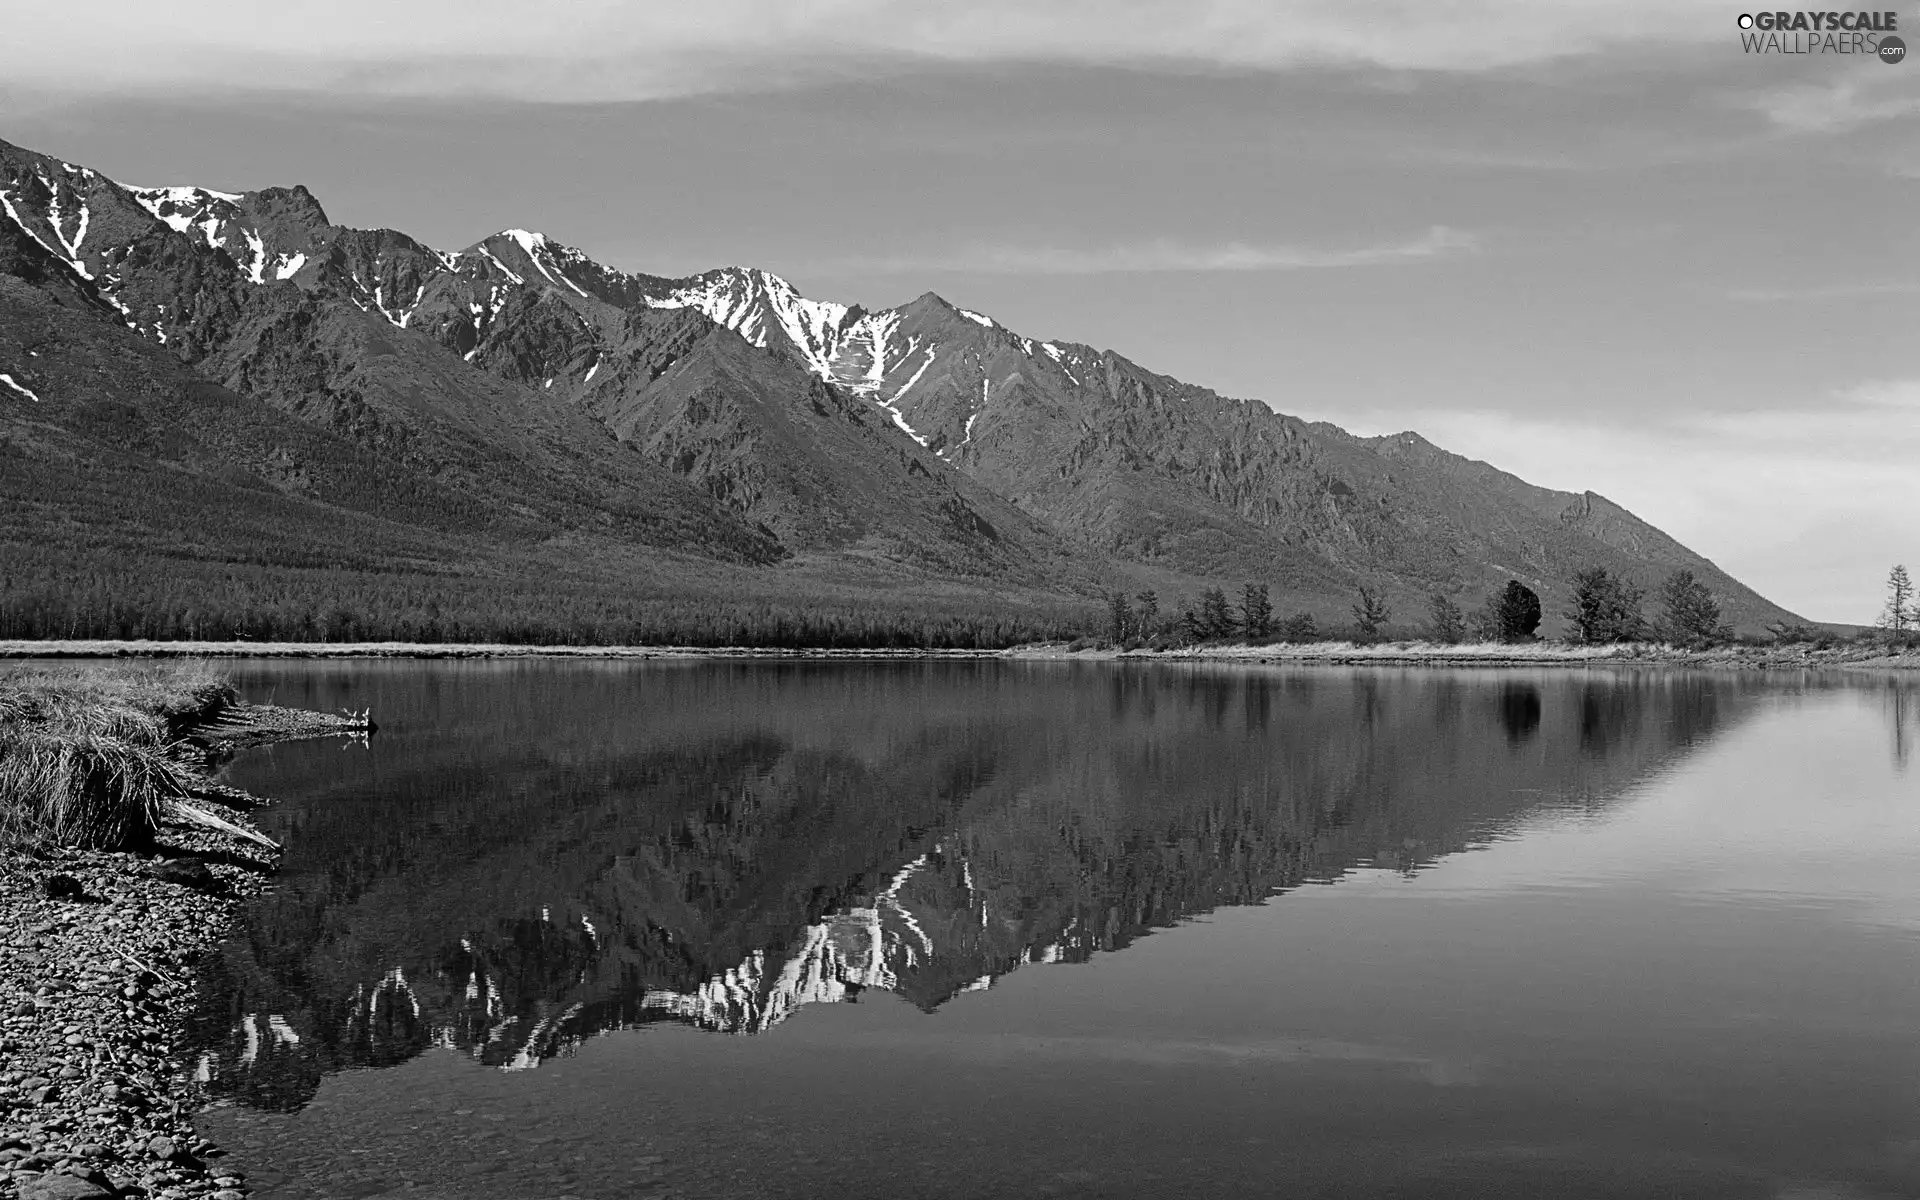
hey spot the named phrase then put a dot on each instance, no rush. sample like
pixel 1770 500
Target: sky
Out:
pixel 1596 244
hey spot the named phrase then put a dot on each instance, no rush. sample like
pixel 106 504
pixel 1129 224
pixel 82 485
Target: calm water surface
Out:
pixel 975 930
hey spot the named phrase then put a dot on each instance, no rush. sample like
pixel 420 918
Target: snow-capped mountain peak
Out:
pixel 549 258
pixel 226 221
pixel 183 207
pixel 935 368
pixel 757 304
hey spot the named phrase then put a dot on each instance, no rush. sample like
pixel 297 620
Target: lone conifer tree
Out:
pixel 1370 614
pixel 1216 616
pixel 1692 614
pixel 1119 618
pixel 1516 612
pixel 1256 610
pixel 1445 623
pixel 1606 607
pixel 1899 615
pixel 1149 612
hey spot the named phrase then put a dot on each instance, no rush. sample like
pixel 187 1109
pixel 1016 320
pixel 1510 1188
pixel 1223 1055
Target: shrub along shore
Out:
pixel 121 861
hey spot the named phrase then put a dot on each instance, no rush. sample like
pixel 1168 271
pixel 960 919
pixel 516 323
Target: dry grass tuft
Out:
pixel 53 710
pixel 117 698
pixel 86 756
pixel 83 789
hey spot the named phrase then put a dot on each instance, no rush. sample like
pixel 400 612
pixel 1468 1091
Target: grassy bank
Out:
pixel 91 759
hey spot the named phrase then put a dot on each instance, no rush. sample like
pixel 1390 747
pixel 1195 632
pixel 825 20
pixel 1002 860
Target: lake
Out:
pixel 981 929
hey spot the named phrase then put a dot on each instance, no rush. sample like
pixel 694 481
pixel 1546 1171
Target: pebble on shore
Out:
pixel 94 991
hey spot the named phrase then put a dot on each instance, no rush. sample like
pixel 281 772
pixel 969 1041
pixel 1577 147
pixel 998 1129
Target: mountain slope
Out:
pixel 728 417
pixel 582 392
pixel 1150 469
pixel 502 459
pixel 787 451
pixel 141 496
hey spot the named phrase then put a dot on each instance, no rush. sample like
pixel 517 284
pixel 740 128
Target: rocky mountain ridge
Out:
pixel 927 437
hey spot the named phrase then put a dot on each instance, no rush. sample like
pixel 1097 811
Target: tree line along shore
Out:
pixel 1680 620
pixel 1605 608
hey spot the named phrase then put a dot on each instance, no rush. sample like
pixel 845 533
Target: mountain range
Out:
pixel 216 403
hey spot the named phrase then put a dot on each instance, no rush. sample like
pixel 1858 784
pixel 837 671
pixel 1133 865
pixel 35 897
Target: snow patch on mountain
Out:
pixel 149 196
pixel 878 329
pixel 72 255
pixel 185 208
pixel 839 343
pixel 6 201
pixel 905 428
pixel 910 382
pixel 57 220
pixel 257 261
pixel 504 269
pixel 891 405
pixel 1062 358
pixel 173 205
pixel 978 407
pixel 526 239
pixel 19 387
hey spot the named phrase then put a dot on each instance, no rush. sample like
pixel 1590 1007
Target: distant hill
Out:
pixel 215 385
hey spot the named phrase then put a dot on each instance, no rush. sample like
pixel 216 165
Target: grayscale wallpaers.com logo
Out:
pixel 1823 33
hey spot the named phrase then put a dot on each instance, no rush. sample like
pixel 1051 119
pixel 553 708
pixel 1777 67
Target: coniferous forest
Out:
pixel 53 592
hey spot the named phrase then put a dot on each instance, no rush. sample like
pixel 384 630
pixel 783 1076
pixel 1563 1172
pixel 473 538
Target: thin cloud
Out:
pixel 1822 292
pixel 604 50
pixel 1843 105
pixel 1167 255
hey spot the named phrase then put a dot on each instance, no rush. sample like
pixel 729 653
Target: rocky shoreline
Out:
pixel 97 955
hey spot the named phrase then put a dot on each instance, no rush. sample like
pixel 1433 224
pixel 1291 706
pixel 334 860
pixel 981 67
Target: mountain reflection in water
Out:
pixel 532 854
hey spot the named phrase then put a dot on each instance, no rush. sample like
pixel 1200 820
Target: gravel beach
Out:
pixel 94 988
